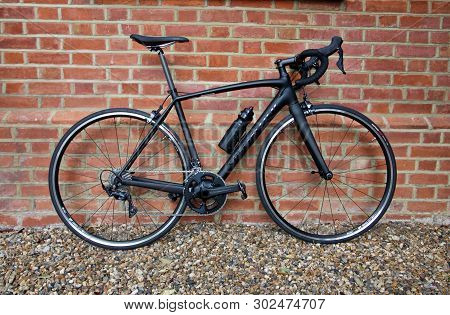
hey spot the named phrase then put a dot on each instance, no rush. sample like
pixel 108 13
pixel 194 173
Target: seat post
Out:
pixel 165 66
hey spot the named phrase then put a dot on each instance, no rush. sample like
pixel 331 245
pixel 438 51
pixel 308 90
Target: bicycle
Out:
pixel 121 178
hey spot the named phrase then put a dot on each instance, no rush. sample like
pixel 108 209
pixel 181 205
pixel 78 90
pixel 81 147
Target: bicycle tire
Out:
pixel 278 218
pixel 56 195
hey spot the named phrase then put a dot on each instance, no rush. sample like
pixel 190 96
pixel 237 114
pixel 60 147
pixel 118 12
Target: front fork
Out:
pixel 296 111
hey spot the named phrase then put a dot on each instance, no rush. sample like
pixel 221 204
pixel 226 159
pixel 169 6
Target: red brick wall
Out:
pixel 63 59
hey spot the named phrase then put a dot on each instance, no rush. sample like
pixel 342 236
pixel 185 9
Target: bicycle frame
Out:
pixel 286 96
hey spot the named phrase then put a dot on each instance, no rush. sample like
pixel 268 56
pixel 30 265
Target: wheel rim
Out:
pixel 347 205
pixel 101 144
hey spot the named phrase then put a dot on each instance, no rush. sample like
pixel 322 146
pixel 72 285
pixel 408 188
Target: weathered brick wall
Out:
pixel 63 59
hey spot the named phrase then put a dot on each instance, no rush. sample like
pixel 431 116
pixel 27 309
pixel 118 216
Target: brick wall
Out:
pixel 63 59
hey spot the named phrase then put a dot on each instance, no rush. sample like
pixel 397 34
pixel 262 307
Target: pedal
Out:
pixel 212 192
pixel 243 190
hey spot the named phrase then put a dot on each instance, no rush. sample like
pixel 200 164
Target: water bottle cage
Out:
pixel 236 130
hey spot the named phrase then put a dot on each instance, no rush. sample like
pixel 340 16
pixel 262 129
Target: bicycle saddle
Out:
pixel 154 42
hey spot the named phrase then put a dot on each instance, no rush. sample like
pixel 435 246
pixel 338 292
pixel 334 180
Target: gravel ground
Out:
pixel 229 259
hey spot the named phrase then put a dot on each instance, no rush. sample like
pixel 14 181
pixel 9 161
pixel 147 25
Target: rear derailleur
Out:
pixel 114 188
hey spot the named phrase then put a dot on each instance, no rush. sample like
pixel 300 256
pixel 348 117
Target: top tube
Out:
pixel 274 83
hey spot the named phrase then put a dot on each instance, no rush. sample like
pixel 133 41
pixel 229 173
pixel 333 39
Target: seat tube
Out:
pixel 305 131
pixel 195 161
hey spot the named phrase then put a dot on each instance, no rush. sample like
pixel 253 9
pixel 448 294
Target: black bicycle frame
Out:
pixel 286 96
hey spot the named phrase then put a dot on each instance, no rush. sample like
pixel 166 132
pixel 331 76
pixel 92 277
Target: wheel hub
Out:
pixel 327 176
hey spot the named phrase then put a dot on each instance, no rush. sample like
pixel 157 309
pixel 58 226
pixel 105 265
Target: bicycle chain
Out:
pixel 166 171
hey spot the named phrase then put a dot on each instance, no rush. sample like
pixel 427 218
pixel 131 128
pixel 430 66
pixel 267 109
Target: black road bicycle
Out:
pixel 121 178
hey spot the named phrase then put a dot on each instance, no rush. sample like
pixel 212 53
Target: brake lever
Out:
pixel 340 62
pixel 316 66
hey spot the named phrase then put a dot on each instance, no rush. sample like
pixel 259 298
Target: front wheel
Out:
pixel 327 211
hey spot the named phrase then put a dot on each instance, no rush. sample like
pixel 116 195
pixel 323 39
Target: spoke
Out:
pixel 318 131
pixel 341 142
pixel 331 210
pixel 139 139
pixel 351 222
pixel 148 202
pixel 153 169
pixel 128 143
pixel 107 210
pixel 104 141
pixel 362 192
pixel 296 188
pixel 288 168
pixel 95 198
pixel 83 183
pixel 112 221
pixel 126 221
pixel 89 219
pixel 139 223
pixel 310 201
pixel 283 181
pixel 117 140
pixel 351 199
pixel 360 169
pixel 321 206
pixel 153 192
pixel 79 174
pixel 145 160
pixel 140 135
pixel 93 166
pixel 348 161
pixel 365 180
pixel 79 158
pixel 147 212
pixel 302 199
pixel 300 149
pixel 332 139
pixel 80 192
pixel 350 151
pixel 288 156
pixel 110 163
pixel 103 162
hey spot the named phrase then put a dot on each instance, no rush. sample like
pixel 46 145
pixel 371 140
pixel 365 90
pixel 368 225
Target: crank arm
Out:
pixel 227 190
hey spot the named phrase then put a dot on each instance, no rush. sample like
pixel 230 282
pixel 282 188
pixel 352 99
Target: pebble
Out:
pixel 207 258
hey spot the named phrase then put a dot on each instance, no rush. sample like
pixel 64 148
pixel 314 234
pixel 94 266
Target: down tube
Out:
pixel 271 111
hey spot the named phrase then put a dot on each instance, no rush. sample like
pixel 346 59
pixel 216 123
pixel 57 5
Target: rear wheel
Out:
pixel 82 171
pixel 327 211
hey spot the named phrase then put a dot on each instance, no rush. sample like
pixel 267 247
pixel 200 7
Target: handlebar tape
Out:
pixel 319 72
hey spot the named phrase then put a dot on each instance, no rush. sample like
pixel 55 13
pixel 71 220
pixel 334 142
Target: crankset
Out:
pixel 206 192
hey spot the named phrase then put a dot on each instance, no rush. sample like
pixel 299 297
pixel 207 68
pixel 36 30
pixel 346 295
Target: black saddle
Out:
pixel 157 42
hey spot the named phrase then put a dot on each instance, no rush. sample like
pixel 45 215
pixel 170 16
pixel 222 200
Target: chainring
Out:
pixel 201 181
